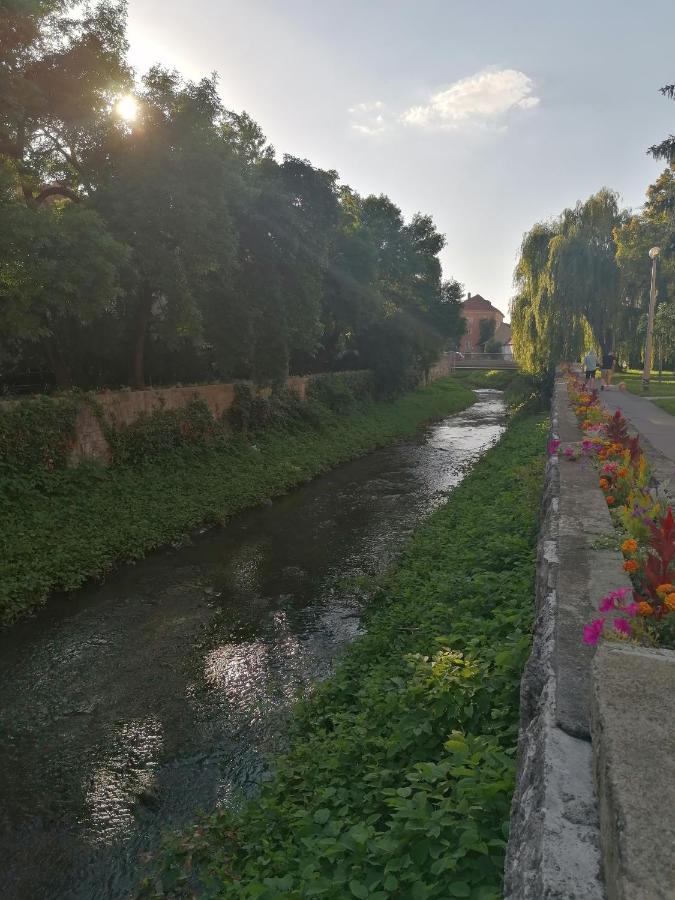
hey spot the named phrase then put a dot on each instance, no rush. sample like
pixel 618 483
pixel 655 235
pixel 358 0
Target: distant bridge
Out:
pixel 481 361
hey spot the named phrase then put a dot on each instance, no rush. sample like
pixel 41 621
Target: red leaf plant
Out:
pixel 660 566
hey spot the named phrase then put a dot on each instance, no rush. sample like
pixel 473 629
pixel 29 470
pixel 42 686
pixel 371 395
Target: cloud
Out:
pixel 364 119
pixel 366 107
pixel 481 98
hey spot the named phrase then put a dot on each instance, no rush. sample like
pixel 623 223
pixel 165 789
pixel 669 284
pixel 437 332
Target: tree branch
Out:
pixel 57 190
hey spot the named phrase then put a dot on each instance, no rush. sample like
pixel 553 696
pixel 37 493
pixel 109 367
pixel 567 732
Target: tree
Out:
pixel 61 68
pixel 486 331
pixel 654 226
pixel 568 284
pixel 666 149
pixel 58 273
pixel 164 192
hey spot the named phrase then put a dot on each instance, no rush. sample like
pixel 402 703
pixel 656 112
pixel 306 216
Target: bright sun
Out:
pixel 127 108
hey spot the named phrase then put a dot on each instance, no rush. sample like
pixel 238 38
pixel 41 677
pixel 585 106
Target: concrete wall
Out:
pixel 126 407
pixel 596 727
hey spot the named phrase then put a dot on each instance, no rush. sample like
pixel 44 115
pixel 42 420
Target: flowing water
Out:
pixel 128 707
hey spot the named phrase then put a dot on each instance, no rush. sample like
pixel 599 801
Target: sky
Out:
pixel 490 115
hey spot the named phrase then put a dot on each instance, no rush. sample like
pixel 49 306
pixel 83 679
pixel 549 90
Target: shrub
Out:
pixel 159 432
pixel 37 434
pixel 239 414
pixel 339 391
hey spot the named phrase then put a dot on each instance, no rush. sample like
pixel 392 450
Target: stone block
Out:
pixel 633 730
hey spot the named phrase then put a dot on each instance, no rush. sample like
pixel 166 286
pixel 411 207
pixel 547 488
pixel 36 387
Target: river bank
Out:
pixel 61 528
pixel 401 767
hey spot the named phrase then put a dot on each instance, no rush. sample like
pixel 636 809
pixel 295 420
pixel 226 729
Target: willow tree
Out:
pixel 568 284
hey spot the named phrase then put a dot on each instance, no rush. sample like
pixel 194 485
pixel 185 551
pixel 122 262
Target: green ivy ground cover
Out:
pixel 401 766
pixel 62 527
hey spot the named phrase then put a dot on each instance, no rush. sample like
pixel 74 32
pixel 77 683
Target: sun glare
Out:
pixel 127 108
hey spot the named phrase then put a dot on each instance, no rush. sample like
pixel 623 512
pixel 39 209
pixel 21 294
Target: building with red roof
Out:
pixel 474 309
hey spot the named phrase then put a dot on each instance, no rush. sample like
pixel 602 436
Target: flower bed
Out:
pixel 645 613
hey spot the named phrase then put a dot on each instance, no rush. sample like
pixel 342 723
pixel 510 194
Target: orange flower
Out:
pixel 629 546
pixel 630 565
pixel 645 608
pixel 664 588
pixel 610 500
pixel 604 484
pixel 622 473
pixel 670 602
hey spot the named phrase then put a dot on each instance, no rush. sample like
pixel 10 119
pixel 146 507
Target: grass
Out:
pixel 657 388
pixel 398 781
pixel 668 405
pixel 61 528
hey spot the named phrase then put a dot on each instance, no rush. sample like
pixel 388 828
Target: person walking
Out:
pixel 590 365
pixel 608 363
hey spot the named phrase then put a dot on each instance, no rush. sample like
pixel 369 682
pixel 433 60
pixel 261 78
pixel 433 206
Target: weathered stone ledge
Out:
pixel 593 814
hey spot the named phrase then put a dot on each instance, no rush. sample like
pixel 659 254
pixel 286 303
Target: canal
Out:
pixel 129 706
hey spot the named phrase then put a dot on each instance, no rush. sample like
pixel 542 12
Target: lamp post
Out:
pixel 646 372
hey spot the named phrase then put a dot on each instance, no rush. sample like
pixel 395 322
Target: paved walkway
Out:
pixel 653 423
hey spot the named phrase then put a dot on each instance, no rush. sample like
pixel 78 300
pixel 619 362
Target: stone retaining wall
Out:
pixel 593 814
pixel 126 407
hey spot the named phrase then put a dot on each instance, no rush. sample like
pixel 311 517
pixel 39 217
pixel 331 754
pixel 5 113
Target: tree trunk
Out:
pixel 140 331
pixel 59 367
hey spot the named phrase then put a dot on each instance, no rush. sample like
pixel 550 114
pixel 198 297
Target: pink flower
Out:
pixel 632 609
pixel 593 631
pixel 614 599
pixel 553 446
pixel 568 451
pixel 621 593
pixel 622 626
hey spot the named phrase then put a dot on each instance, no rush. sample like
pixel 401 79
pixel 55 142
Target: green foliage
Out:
pixel 339 391
pixel 36 435
pixel 154 434
pixel 654 226
pixel 567 279
pixel 177 246
pixel 398 780
pixel 486 330
pixel 59 530
pixel 498 379
pixel 239 414
pixel 665 149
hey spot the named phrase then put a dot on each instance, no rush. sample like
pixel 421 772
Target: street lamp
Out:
pixel 653 254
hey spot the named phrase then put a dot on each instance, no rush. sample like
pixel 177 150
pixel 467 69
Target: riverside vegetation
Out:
pixel 400 769
pixel 174 471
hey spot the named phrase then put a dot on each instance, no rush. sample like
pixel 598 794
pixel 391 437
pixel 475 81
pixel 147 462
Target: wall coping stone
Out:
pixel 633 727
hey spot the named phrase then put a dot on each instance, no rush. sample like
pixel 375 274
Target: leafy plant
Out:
pixel 37 434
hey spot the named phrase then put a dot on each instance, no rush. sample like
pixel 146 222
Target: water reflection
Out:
pixel 129 706
pixel 126 775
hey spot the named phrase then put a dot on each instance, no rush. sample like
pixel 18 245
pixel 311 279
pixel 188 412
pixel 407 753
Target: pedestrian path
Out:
pixel 653 423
